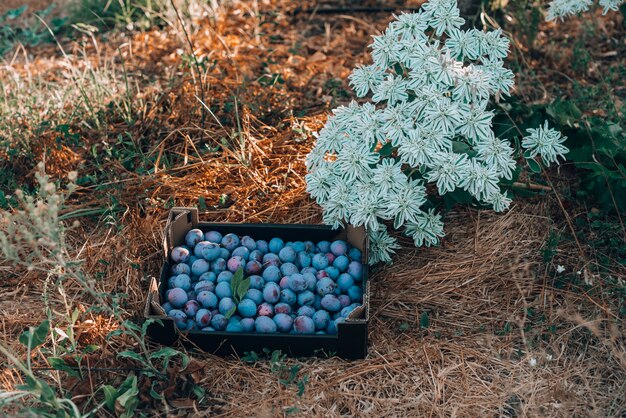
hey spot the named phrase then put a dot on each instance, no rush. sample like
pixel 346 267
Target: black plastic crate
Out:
pixel 350 342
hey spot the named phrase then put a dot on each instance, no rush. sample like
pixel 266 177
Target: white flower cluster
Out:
pixel 428 122
pixel 558 9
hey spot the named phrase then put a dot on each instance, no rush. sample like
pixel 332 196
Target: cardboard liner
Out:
pixel 351 340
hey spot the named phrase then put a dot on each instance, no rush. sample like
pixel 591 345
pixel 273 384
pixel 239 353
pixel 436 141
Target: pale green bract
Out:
pixel 427 122
pixel 558 9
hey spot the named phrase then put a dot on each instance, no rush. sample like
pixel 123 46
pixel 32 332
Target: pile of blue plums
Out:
pixel 296 287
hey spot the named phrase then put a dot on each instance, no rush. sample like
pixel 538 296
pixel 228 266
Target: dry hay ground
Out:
pixel 479 326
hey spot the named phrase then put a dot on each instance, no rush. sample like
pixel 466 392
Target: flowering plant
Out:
pixel 427 122
pixel 561 8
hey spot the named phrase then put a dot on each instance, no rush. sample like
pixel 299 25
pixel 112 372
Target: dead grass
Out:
pixel 503 338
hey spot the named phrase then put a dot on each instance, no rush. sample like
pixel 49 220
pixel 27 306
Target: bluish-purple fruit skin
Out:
pixel 191 325
pixel 179 317
pixel 207 250
pixel 303 325
pixel 321 274
pixel 230 242
pixel 256 282
pixel 339 247
pixel 193 237
pixel 345 282
pixel 247 308
pixel 355 255
pixel 284 323
pixel 256 296
pixel 309 246
pixel 356 294
pixel 219 322
pixel 331 258
pixel 306 311
pixel 177 297
pixel 317 303
pixel 256 255
pixel 213 236
pixel 180 268
pixel 167 307
pixel 218 265
pixel 331 329
pixel 200 266
pixel 341 263
pixel 263 246
pixel 323 246
pixel 287 269
pixel 310 280
pixel 283 308
pixel 296 282
pixel 225 276
pixel 265 325
pixel 224 253
pixel 265 309
pixel 223 290
pixel 305 298
pixel 248 242
pixel 209 276
pixel 331 303
pixel 332 272
pixel 207 299
pixel 247 324
pixel 208 329
pixel 344 300
pixel 355 269
pixel 298 246
pixel 275 245
pixel 190 308
pixel 253 267
pixel 191 295
pixel 287 255
pixel 311 270
pixel 303 260
pixel 271 292
pixel 242 252
pixel 170 282
pixel 284 282
pixel 319 261
pixel 203 318
pixel 227 304
pixel 272 274
pixel 325 286
pixel 321 319
pixel 179 255
pixel 271 259
pixel 183 281
pixel 288 296
pixel 235 263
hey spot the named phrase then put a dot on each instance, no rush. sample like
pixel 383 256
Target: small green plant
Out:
pixel 287 375
pixel 31 33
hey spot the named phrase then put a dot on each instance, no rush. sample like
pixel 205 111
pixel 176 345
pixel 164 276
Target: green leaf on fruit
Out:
pixel 230 312
pixel 242 289
pixel 235 282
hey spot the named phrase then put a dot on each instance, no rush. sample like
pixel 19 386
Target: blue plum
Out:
pixel 303 260
pixel 331 329
pixel 319 261
pixel 213 236
pixel 339 247
pixel 180 268
pixel 247 324
pixel 225 276
pixel 306 311
pixel 344 300
pixel 288 296
pixel 242 252
pixel 203 318
pixel 303 325
pixel 200 266
pixel 272 274
pixel 256 296
pixel 284 323
pixel 256 282
pixel 193 237
pixel 275 245
pixel 209 276
pixel 248 242
pixel 179 255
pixel 306 298
pixel 284 282
pixel 317 303
pixel 207 299
pixel 271 292
pixel 235 263
pixel 309 246
pixel 356 294
pixel 182 281
pixel 287 269
pixel 224 253
pixel 298 246
pixel 355 255
pixel 310 280
pixel 262 246
pixel 179 317
pixel 207 250
pixel 219 322
pixel 355 269
pixel 218 265
pixel 227 304
pixel 321 318
pixel 287 255
pixel 264 325
pixel 256 255
pixel 296 282
pixel 271 259
pixel 230 242
pixel 325 286
pixel 170 282
pixel 190 308
pixel 331 258
pixel 191 294
pixel 223 290
pixel 177 297
pixel 332 272
pixel 167 307
pixel 323 246
pixel 341 263
pixel 247 308
pixel 283 308
pixel 265 309
pixel 345 282
pixel 331 303
pixel 345 312
pixel 253 267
